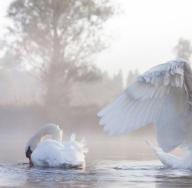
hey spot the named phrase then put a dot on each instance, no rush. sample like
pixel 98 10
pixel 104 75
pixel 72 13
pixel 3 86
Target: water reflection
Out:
pixel 108 174
pixel 174 179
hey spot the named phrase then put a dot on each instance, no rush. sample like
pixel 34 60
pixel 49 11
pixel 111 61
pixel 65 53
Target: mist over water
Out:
pixel 113 174
pixel 52 71
pixel 112 161
pixel 115 162
pixel 100 145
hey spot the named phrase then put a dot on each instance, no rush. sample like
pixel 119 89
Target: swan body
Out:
pixel 162 96
pixel 48 150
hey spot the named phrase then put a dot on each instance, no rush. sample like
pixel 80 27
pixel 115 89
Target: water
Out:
pixel 100 174
pixel 105 165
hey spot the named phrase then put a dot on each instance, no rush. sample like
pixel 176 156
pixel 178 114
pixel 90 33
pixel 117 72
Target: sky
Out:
pixel 146 33
pixel 143 35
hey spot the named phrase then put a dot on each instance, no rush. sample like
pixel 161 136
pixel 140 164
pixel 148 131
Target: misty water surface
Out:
pixel 106 174
pixel 114 162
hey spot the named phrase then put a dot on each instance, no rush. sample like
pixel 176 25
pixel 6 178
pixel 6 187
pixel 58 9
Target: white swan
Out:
pixel 163 96
pixel 45 149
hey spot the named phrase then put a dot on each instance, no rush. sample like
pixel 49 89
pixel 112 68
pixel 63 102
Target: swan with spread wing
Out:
pixel 162 96
pixel 47 149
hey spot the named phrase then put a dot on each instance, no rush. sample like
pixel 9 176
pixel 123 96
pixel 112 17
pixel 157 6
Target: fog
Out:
pixel 101 146
pixel 63 71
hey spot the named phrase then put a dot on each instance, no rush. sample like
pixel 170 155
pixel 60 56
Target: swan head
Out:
pixel 28 155
pixel 49 130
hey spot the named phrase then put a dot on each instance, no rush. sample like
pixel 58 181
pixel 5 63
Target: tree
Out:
pixel 131 77
pixel 183 49
pixel 56 39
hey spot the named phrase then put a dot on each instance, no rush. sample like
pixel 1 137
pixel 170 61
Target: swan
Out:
pixel 45 149
pixel 162 96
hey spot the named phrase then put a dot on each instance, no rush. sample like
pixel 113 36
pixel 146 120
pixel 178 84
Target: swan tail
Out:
pixel 167 159
pixel 80 146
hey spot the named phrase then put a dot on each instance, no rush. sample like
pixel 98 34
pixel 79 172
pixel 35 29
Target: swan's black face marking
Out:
pixel 28 152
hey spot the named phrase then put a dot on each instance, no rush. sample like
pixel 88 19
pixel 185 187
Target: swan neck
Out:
pixel 50 130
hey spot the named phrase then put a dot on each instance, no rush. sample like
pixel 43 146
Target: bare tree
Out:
pixel 56 39
pixel 131 76
pixel 183 49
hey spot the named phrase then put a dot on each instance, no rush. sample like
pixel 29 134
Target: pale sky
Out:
pixel 144 35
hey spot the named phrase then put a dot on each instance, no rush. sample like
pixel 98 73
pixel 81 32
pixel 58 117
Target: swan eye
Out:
pixel 28 152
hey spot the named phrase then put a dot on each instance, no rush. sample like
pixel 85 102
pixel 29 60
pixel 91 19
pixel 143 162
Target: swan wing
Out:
pixel 158 96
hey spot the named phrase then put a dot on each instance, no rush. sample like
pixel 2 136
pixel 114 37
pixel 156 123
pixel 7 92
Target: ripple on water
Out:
pixel 113 174
pixel 12 175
